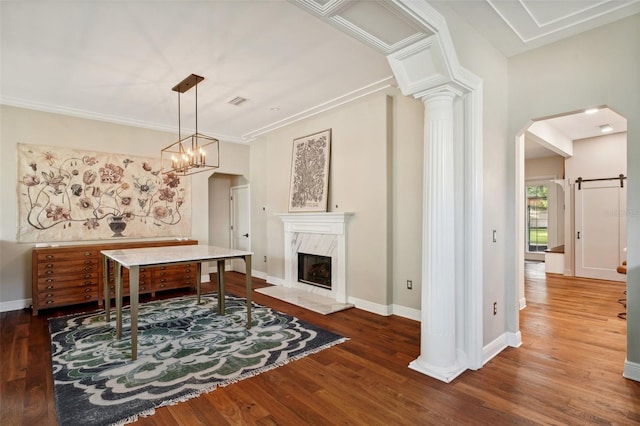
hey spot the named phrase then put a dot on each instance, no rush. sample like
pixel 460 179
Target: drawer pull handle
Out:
pixel 49 287
pixel 49 272
pixel 88 296
pixel 87 276
pixel 88 268
pixel 49 265
pixel 49 294
pixel 49 302
pixel 49 256
pixel 49 280
pixel 87 253
pixel 161 285
pixel 87 283
pixel 87 262
pixel 87 290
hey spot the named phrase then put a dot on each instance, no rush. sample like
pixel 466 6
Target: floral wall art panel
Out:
pixel 309 186
pixel 66 194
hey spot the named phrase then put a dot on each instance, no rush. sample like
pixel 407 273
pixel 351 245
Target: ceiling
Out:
pixel 575 126
pixel 117 61
pixel 515 26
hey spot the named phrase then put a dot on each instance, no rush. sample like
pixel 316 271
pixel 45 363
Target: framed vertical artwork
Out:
pixel 308 191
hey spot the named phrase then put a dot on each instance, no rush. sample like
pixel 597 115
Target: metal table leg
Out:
pixel 134 281
pixel 105 288
pixel 221 309
pixel 247 262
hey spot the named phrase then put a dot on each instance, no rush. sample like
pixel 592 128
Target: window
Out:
pixel 537 218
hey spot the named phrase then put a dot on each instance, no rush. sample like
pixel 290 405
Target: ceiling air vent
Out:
pixel 237 100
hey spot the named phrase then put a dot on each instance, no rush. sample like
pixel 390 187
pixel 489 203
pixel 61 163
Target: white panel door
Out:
pixel 240 224
pixel 600 221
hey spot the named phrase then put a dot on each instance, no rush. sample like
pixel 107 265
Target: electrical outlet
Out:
pixel 409 284
pixel 495 308
pixel 265 258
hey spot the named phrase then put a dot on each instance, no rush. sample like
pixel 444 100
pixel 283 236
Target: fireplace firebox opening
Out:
pixel 314 269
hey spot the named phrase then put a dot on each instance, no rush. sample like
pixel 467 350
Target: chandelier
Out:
pixel 195 153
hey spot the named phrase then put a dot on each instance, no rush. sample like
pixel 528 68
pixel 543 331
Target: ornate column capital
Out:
pixel 445 90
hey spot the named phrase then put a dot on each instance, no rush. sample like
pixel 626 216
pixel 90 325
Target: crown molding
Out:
pixel 380 85
pixel 89 115
pixel 528 27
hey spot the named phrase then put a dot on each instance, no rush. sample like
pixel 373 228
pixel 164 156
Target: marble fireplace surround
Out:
pixel 323 234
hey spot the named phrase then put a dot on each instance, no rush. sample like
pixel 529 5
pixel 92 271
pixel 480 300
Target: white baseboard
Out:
pixel 365 305
pixel 494 348
pixel 15 305
pixel 501 343
pixel 631 370
pixel 514 339
pixel 375 308
pixel 259 274
pixel 523 303
pixel 404 312
pixel 275 280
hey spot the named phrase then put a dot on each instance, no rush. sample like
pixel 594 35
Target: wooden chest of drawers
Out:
pixel 70 275
pixel 157 279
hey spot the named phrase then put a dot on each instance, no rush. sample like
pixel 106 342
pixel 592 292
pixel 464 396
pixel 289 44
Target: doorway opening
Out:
pixel 220 214
pixel 554 153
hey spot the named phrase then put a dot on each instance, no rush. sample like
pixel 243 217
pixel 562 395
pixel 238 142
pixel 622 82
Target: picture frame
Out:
pixel 310 159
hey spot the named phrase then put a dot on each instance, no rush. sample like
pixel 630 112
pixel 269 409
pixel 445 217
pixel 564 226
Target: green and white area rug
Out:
pixel 184 350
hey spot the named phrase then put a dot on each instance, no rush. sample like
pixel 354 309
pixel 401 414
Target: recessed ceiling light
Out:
pixel 591 110
pixel 605 128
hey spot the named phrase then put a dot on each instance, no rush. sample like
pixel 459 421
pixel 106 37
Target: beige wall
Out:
pixel 34 127
pixel 370 138
pixel 407 196
pixel 219 206
pixel 537 168
pixel 260 211
pixel 599 157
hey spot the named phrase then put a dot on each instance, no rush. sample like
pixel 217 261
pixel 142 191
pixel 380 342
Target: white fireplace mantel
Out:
pixel 315 223
pixel 319 233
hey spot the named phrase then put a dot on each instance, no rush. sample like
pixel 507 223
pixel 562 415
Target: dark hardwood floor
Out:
pixel 568 370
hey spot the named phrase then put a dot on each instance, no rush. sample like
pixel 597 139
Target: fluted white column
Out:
pixel 438 347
